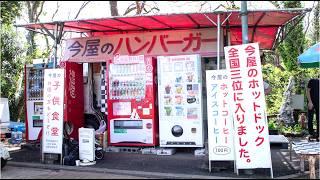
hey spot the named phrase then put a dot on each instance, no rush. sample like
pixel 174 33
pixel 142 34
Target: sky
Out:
pixel 68 9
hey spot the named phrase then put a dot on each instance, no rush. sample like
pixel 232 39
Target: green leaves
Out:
pixel 10 10
pixel 294 43
pixel 278 80
pixel 12 62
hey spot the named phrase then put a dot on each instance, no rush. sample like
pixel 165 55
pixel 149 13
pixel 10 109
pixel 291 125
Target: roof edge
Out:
pixel 289 10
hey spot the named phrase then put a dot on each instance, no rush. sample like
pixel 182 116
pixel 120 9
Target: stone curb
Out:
pixel 115 171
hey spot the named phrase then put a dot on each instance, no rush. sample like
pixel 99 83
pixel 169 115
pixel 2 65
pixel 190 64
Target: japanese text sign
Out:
pixel 220 122
pixel 101 48
pixel 53 111
pixel 252 146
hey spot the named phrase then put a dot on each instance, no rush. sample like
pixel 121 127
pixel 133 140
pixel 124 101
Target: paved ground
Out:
pixel 183 164
pixel 13 172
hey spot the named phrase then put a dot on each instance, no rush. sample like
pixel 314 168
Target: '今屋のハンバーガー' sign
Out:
pixel 101 48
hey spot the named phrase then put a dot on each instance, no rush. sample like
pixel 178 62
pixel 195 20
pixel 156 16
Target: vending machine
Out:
pixel 73 99
pixel 34 81
pixel 132 107
pixel 180 101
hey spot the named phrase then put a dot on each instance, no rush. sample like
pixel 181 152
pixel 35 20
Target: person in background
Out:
pixel 312 93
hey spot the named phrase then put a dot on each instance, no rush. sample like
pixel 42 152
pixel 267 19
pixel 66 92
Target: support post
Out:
pixel 55 48
pixel 244 22
pixel 218 42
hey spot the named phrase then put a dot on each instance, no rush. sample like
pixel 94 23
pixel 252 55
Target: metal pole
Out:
pixel 218 43
pixel 55 46
pixel 244 22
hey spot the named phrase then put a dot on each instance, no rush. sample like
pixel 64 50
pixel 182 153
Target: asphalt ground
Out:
pixel 182 164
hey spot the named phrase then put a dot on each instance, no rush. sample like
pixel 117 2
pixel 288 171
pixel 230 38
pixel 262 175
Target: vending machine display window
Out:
pixel 35 84
pixel 127 81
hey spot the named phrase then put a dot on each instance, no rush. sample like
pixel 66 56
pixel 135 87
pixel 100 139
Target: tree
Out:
pixel 11 66
pixel 316 25
pixel 141 7
pixel 12 51
pixel 34 9
pixel 9 11
pixel 293 44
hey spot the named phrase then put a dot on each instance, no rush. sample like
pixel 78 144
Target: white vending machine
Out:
pixel 34 88
pixel 180 101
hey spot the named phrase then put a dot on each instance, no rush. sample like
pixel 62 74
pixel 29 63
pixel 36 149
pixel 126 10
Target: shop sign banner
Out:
pixel 220 122
pixel 53 111
pixel 252 146
pixel 102 48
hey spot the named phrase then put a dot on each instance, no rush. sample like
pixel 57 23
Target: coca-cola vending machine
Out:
pixel 73 98
pixel 131 98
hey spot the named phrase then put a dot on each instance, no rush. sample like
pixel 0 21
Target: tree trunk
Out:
pixel 34 11
pixel 316 25
pixel 114 8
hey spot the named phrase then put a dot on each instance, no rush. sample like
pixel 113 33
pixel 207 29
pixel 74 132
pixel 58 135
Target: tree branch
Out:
pixel 154 8
pixel 41 8
pixel 309 18
pixel 55 13
pixel 81 8
pixel 129 9
pixel 138 7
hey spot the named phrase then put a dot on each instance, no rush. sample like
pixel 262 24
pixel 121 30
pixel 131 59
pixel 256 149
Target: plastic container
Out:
pixel 16 137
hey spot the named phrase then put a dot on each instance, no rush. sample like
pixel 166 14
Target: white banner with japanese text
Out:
pixel 52 132
pixel 220 122
pixel 177 42
pixel 252 146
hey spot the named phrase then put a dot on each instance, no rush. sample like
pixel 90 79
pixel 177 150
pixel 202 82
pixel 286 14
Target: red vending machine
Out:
pixel 132 107
pixel 73 98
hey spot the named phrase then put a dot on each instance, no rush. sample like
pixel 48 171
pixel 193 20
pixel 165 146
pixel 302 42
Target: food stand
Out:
pixel 204 34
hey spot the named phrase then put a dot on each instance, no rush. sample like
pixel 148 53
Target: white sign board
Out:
pixel 86 144
pixel 100 48
pixel 4 110
pixel 248 106
pixel 52 133
pixel 220 122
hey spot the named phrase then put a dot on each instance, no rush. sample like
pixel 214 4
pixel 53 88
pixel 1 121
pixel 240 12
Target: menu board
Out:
pixel 180 83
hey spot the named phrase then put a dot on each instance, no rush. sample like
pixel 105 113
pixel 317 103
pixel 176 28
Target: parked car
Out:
pixel 4 154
